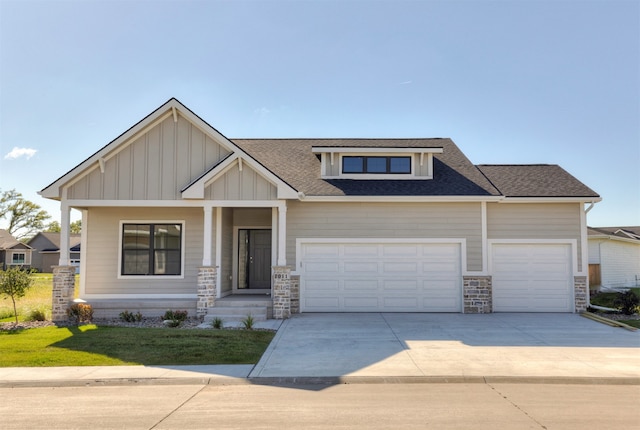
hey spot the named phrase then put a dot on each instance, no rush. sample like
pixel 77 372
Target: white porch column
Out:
pixel 207 231
pixel 218 250
pixel 282 234
pixel 65 220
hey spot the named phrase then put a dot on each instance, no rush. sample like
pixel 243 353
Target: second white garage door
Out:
pixel 532 278
pixel 380 277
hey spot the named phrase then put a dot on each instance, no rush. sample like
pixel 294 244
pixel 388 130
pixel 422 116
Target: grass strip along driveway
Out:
pixel 91 345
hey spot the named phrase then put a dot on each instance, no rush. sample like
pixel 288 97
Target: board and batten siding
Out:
pixel 387 220
pixel 155 165
pixel 103 232
pixel 535 221
pixel 245 184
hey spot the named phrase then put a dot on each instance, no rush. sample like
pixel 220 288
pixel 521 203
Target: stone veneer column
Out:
pixel 281 292
pixel 295 294
pixel 478 294
pixel 64 286
pixel 207 290
pixel 580 293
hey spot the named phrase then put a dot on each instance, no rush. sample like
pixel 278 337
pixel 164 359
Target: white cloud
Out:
pixel 20 152
pixel 262 111
pixel 406 82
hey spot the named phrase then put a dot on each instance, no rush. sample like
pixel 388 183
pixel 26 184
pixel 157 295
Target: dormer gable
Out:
pixel 390 163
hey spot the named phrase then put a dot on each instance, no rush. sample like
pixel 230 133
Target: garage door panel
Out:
pixel 360 285
pixel 399 267
pixel 360 267
pixel 399 251
pixel 382 277
pixel 399 286
pixel 532 278
pixel 322 267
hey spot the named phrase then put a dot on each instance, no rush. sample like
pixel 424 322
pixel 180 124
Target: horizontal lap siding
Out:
pixel 103 234
pixel 534 221
pixel 387 220
pixel 620 264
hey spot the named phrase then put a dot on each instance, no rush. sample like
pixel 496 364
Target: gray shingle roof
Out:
pixel 293 161
pixel 632 233
pixel 535 180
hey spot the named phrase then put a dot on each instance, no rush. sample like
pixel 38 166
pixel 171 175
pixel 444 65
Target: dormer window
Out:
pixel 376 165
pixel 381 163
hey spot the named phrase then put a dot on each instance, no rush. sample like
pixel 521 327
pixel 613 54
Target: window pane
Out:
pixel 352 165
pixel 136 236
pixel 135 262
pixel 400 165
pixel 18 259
pixel 376 164
pixel 167 236
pixel 166 263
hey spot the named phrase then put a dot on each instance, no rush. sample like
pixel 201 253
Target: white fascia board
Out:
pixel 551 200
pixel 616 238
pixel 375 150
pixel 83 204
pixel 396 199
pixel 108 151
pixel 196 189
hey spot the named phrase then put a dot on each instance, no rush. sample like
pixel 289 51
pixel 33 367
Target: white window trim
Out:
pixel 410 175
pixel 146 221
pixel 27 259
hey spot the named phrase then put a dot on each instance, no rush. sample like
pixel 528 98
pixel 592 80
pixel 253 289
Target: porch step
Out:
pixel 237 308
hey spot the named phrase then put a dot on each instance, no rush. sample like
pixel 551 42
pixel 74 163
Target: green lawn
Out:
pixel 92 345
pixel 607 300
pixel 38 297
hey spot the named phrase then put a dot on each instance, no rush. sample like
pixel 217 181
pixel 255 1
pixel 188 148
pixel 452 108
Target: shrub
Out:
pixel 80 312
pixel 130 317
pixel 627 302
pixel 248 322
pixel 175 315
pixel 37 315
pixel 174 318
pixel 217 323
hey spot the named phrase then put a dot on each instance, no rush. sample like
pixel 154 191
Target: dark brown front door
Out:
pixel 256 244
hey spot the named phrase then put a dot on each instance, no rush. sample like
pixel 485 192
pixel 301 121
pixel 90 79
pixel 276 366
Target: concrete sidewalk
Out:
pixel 386 348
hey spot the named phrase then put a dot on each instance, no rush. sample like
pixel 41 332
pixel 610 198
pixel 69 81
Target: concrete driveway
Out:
pixel 450 346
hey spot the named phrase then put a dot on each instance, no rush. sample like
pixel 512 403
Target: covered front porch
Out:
pixel 244 256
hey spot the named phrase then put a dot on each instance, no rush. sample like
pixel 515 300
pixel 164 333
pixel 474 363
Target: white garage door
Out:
pixel 532 278
pixel 380 277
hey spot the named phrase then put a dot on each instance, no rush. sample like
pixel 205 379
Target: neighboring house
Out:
pixel 614 257
pixel 177 215
pixel 13 253
pixel 46 246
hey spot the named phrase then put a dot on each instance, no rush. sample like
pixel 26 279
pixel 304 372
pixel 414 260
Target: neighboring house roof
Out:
pixel 535 180
pixel 51 241
pixel 294 161
pixel 623 233
pixel 7 241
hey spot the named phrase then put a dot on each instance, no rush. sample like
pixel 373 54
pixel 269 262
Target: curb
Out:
pixel 292 381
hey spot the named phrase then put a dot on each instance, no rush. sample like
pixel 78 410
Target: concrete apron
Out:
pixel 419 346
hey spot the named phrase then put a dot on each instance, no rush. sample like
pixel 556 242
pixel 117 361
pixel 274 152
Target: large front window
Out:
pixel 376 165
pixel 151 249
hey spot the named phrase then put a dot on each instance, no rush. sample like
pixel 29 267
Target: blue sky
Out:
pixel 511 82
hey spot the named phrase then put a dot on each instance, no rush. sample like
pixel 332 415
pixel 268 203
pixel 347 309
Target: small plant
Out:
pixel 248 322
pixel 217 323
pixel 80 312
pixel 174 318
pixel 130 316
pixel 37 315
pixel 14 283
pixel 627 302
